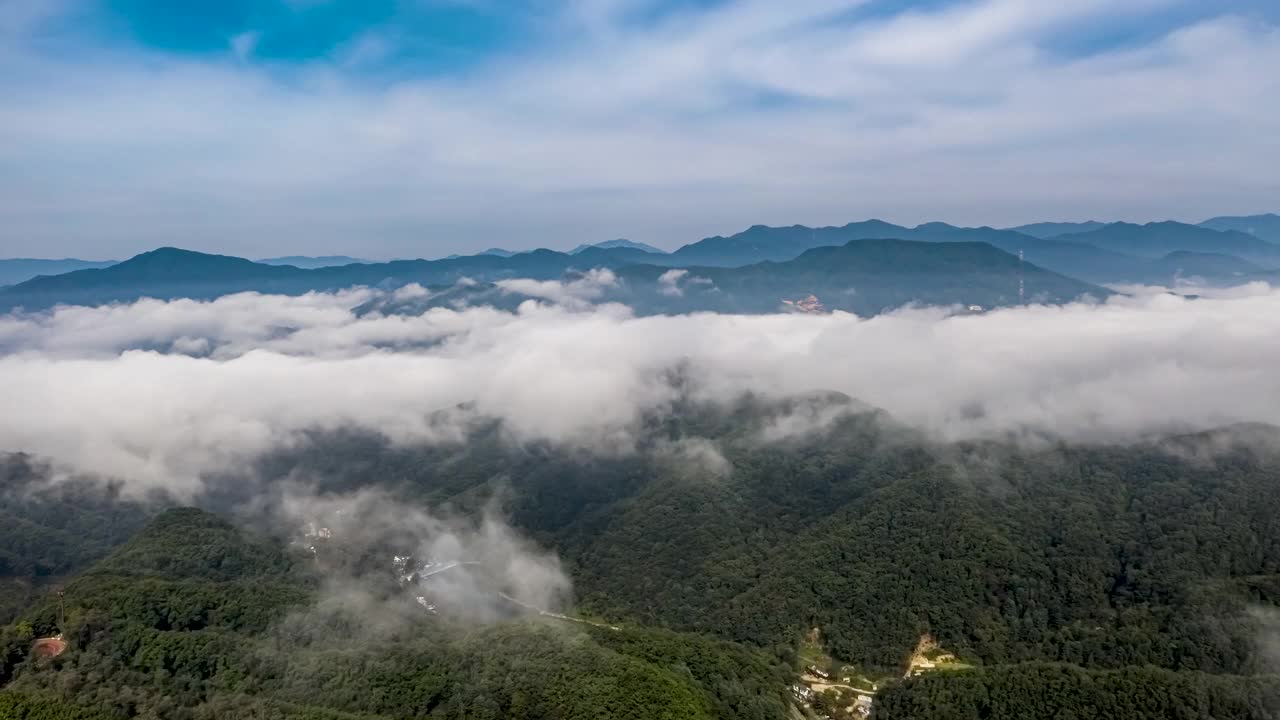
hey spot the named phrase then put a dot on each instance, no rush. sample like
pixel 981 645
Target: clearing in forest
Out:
pixel 50 647
pixel 929 656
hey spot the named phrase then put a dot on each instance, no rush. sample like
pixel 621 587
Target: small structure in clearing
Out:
pixel 50 647
pixel 809 304
pixel 829 688
pixel 929 656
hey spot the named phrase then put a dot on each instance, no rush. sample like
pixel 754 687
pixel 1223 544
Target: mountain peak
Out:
pixel 935 227
pixel 168 251
pixel 1265 226
pixel 170 258
pixel 618 243
pixel 867 225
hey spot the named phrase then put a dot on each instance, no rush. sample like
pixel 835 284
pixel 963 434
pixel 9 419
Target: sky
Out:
pixel 420 128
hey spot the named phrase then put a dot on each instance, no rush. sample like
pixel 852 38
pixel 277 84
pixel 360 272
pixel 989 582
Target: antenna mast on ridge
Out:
pixel 1022 289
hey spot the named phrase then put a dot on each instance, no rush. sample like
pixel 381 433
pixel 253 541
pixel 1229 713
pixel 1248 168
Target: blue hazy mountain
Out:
pixel 1212 267
pixel 1150 240
pixel 174 272
pixel 1097 265
pixel 1265 226
pixel 761 242
pixel 1116 253
pixel 497 252
pixel 16 270
pixel 310 262
pixel 1154 253
pixel 1158 239
pixel 862 276
pixel 1054 229
pixel 619 243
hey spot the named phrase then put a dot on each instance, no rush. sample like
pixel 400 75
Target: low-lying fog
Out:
pixel 159 392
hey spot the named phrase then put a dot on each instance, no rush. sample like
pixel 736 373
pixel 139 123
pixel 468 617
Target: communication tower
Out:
pixel 1022 289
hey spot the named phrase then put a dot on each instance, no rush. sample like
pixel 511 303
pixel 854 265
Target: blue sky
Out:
pixel 388 128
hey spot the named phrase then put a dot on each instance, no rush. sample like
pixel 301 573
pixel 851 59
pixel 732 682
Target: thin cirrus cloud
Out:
pixel 523 125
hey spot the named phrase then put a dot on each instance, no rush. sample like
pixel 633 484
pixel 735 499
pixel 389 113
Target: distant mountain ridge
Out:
pixel 863 276
pixel 312 262
pixel 1118 252
pixel 1266 226
pixel 619 243
pixel 761 242
pixel 1045 230
pixel 495 251
pixel 1161 238
pixel 1123 253
pixel 173 273
pixel 16 270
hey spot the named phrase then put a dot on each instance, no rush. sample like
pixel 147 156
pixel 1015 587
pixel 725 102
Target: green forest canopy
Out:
pixel 1148 566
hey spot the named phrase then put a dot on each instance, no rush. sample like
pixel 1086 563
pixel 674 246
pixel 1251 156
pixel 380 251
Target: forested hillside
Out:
pixel 1099 555
pixel 1037 690
pixel 194 618
pixel 1103 559
pixel 49 531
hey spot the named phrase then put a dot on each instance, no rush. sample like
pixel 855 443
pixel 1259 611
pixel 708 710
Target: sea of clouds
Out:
pixel 161 392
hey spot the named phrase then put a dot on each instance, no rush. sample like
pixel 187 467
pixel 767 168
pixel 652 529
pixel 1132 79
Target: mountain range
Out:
pixel 619 243
pixel 16 270
pixel 1115 252
pixel 1155 240
pixel 864 276
pixel 756 270
pixel 1265 226
pixel 308 262
pixel 1053 229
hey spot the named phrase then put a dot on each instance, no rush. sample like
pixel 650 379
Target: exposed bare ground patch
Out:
pixel 49 647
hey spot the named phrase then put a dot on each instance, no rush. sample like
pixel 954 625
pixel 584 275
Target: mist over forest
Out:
pixel 639 360
pixel 163 392
pixel 334 504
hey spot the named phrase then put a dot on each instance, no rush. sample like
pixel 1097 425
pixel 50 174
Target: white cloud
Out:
pixel 669 282
pixel 664 130
pixel 484 557
pixel 278 366
pixel 574 293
